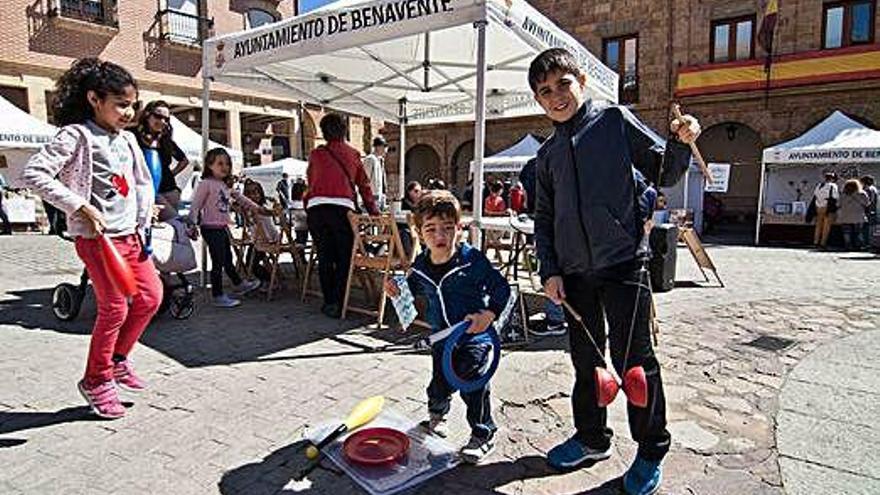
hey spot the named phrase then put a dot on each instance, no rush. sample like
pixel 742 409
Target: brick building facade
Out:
pixel 159 41
pixel 674 50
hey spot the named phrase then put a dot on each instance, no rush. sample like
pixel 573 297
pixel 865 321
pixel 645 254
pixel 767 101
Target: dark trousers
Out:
pixel 255 259
pixel 611 294
pixel 221 258
pixel 7 227
pixel 468 360
pixel 406 239
pixel 331 232
pixel 868 231
pixel 57 219
pixel 852 235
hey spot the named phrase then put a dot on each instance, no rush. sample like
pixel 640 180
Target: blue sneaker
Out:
pixel 643 477
pixel 572 453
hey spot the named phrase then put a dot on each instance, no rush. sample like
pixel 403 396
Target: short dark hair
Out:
pixel 552 60
pixel 496 187
pixel 437 204
pixel 379 141
pixel 412 185
pixel 868 180
pixel 333 127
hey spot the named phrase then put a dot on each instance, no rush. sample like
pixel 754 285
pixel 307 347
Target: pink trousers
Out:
pixel 119 323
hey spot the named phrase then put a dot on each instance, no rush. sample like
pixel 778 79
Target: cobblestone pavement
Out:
pixel 231 391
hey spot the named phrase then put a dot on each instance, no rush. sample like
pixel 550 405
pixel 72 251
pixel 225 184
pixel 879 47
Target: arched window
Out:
pixel 257 17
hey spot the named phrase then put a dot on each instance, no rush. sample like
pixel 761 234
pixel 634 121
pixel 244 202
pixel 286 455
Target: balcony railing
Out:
pixel 101 12
pixel 183 28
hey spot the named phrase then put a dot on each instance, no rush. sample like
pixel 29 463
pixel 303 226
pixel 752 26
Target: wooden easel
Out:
pixel 701 257
pixel 385 255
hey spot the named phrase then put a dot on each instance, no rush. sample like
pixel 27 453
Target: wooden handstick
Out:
pixel 676 112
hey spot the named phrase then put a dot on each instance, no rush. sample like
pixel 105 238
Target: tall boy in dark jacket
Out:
pixel 593 200
pixel 460 284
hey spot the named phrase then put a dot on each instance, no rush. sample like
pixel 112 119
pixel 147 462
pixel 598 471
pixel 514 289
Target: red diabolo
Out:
pixel 121 274
pixel 606 387
pixel 635 386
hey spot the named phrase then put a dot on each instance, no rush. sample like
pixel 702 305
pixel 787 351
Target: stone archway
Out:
pixel 310 134
pixel 422 163
pixel 461 165
pixel 741 146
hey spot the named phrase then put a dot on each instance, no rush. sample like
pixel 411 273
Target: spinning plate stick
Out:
pixel 363 413
pixel 676 112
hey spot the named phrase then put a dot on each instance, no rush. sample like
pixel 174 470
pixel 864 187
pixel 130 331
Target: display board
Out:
pixel 701 257
pixel 720 178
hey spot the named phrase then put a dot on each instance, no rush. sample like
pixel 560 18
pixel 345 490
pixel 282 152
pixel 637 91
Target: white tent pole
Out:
pixel 760 201
pixel 686 190
pixel 480 126
pixel 401 159
pixel 206 115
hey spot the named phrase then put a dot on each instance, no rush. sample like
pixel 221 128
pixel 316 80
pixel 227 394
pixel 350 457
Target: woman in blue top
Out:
pixel 154 136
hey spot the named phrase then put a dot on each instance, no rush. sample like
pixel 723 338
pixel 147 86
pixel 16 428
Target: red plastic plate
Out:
pixel 376 446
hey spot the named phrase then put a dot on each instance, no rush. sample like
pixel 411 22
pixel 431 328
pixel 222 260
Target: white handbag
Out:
pixel 173 251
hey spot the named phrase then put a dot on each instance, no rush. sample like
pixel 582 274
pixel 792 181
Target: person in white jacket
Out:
pixel 374 165
pixel 826 196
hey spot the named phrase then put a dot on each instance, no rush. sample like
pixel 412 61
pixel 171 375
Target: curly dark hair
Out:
pixel 71 106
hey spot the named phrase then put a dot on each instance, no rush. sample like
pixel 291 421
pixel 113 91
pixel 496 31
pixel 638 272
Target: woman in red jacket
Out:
pixel 335 176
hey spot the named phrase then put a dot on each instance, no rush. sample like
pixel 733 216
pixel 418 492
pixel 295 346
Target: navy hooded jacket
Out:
pixel 593 189
pixel 471 286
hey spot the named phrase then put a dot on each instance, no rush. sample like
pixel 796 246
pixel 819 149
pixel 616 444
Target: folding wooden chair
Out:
pixel 274 244
pixel 311 254
pixel 241 244
pixel 376 250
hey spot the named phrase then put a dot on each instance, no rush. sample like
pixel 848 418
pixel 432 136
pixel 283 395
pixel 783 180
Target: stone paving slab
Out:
pixel 813 479
pixel 827 429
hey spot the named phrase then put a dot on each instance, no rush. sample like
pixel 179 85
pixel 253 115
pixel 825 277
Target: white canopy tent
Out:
pixel 191 143
pixel 513 159
pixel 838 141
pixel 21 135
pixel 405 61
pixel 269 174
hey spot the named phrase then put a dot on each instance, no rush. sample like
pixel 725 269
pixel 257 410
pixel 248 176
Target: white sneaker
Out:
pixel 247 286
pixel 477 449
pixel 224 301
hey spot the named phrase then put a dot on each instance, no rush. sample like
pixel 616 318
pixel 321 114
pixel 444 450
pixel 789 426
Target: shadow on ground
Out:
pixel 15 421
pixel 275 471
pixel 210 337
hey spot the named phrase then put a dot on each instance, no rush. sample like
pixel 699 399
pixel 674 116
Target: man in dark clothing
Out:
pixel 7 227
pixel 554 316
pixel 593 201
pixel 284 188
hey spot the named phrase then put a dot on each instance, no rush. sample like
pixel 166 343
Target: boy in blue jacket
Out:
pixel 460 284
pixel 594 200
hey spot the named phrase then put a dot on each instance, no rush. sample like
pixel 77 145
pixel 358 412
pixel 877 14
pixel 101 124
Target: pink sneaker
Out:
pixel 123 375
pixel 103 399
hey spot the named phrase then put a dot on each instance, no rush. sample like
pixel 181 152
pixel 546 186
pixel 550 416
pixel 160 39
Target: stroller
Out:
pixel 173 255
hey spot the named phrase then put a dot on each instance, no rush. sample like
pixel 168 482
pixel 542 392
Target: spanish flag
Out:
pixel 768 26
